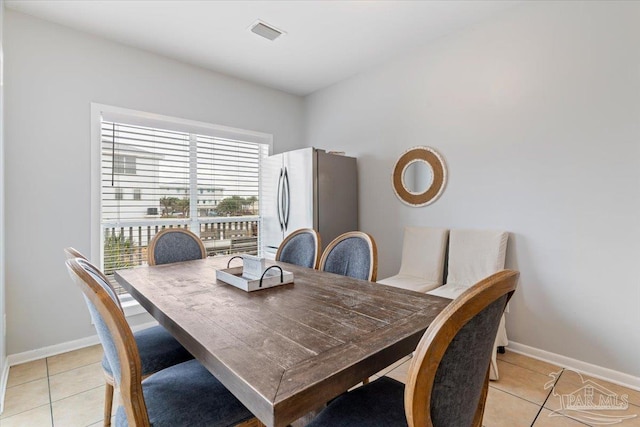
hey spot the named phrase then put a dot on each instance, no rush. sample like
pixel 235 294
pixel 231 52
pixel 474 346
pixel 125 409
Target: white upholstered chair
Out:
pixel 423 253
pixel 474 255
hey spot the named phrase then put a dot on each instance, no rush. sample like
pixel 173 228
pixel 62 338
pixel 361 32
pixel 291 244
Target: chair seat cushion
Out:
pixel 411 283
pixel 188 395
pixel 450 290
pixel 158 350
pixel 378 404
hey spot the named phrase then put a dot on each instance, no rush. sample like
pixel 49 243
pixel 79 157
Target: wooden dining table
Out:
pixel 283 351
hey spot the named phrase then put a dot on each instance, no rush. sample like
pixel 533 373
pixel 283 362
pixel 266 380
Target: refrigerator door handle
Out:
pixel 279 201
pixel 287 197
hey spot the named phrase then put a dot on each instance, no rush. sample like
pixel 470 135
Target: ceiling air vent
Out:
pixel 265 30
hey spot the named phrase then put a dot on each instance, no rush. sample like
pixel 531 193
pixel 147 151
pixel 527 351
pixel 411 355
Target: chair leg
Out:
pixel 493 368
pixel 108 403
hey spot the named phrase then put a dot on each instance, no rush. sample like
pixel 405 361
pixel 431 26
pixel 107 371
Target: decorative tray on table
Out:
pixel 253 275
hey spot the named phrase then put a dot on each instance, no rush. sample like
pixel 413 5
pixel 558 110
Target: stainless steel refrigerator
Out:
pixel 307 188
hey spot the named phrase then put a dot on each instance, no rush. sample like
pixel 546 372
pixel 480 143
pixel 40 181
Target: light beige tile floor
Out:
pixel 68 390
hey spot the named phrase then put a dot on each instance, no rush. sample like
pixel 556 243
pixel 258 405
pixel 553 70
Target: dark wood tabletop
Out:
pixel 283 351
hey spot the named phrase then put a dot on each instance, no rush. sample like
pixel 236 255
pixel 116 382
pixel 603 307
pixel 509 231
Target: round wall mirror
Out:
pixel 419 176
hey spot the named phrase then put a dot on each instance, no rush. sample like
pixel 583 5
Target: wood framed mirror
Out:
pixel 419 176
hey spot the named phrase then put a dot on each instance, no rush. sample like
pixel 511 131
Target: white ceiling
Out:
pixel 326 41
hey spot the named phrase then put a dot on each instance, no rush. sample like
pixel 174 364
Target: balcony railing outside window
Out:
pixel 125 245
pixel 153 178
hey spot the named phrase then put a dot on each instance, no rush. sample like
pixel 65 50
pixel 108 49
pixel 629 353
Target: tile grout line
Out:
pixel 546 398
pixel 521 397
pixel 525 367
pixel 46 364
pixel 549 395
pixel 75 394
pixel 541 406
pixel 515 395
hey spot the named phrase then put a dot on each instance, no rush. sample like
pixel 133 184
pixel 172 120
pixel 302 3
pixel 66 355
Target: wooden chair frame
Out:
pixel 316 238
pixel 438 337
pixel 72 253
pixel 152 245
pixel 131 381
pixel 373 251
pixel 131 369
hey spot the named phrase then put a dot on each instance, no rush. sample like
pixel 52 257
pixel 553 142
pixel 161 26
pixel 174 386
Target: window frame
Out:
pixel 124 165
pixel 98 111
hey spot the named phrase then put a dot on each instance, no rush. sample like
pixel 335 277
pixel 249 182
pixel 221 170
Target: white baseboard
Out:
pixel 595 371
pixel 53 350
pixel 4 378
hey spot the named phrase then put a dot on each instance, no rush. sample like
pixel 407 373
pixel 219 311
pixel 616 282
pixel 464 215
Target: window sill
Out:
pixel 131 307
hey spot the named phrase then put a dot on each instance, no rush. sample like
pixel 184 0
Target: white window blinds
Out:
pixel 152 162
pixel 155 178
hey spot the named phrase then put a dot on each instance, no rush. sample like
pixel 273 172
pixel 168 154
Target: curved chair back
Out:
pixel 423 253
pixel 175 245
pixel 475 254
pixel 352 254
pixel 115 335
pixel 449 373
pixel 302 247
pixel 72 253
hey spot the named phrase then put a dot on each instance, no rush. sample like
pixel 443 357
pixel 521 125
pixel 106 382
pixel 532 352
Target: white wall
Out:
pixel 537 114
pixel 52 75
pixel 3 353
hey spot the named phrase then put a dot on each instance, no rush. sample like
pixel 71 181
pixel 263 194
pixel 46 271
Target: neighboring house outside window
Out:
pixel 124 165
pixel 184 177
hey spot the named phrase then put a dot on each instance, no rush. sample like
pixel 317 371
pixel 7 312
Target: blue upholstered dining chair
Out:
pixel 158 349
pixel 185 394
pixel 175 245
pixel 302 247
pixel 448 377
pixel 352 254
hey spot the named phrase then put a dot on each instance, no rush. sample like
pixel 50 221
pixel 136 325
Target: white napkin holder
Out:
pixel 254 274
